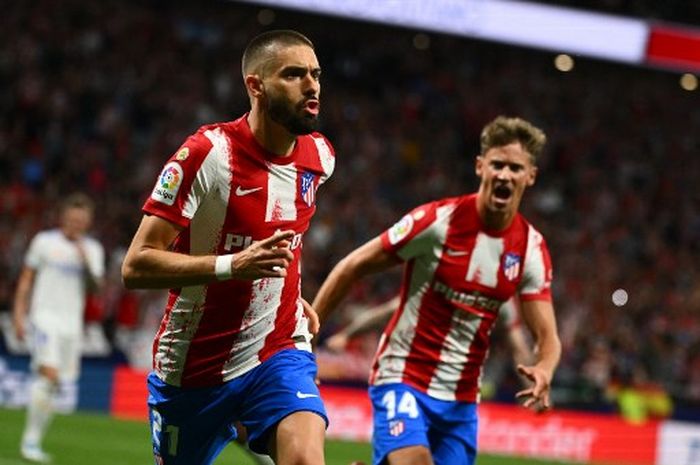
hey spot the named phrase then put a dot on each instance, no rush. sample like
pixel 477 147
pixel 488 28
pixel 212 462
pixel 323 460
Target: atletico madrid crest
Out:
pixel 308 190
pixel 396 427
pixel 511 266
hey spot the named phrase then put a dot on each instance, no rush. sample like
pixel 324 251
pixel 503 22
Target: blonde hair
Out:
pixel 78 200
pixel 503 131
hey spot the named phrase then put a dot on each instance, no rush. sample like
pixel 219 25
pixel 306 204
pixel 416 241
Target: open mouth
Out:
pixel 502 192
pixel 312 106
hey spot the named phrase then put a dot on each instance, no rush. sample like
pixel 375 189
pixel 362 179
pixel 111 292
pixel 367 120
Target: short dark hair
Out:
pixel 261 45
pixel 503 131
pixel 78 200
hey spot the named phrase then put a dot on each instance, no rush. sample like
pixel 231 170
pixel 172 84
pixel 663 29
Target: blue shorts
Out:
pixel 190 426
pixel 404 416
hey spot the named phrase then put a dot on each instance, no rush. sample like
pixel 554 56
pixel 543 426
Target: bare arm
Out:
pixel 149 264
pixel 515 334
pixel 21 304
pixel 368 258
pixel 539 317
pixel 373 318
pixel 522 355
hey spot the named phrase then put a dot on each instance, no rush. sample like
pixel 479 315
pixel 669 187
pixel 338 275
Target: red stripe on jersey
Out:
pixel 468 386
pixel 217 330
pixel 285 322
pixel 424 356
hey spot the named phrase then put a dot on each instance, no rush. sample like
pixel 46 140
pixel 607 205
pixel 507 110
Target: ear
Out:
pixel 254 85
pixel 479 165
pixel 532 176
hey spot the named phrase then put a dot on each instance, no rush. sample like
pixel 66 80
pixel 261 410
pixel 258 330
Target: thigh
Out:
pixel 70 351
pixel 453 432
pixel 399 421
pixel 279 387
pixel 298 439
pixel 189 426
pixel 45 348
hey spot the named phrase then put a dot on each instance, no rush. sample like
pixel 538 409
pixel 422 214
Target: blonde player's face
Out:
pixel 292 89
pixel 505 173
pixel 75 222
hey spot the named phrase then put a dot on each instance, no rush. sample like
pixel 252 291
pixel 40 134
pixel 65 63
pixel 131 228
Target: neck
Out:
pixel 273 137
pixel 494 220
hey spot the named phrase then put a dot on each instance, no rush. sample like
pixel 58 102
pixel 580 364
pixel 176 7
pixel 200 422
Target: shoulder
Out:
pixel 535 237
pixel 48 235
pixel 92 242
pixel 317 152
pixel 322 143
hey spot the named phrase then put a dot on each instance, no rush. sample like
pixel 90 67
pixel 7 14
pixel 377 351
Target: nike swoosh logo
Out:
pixel 302 395
pixel 457 253
pixel 241 192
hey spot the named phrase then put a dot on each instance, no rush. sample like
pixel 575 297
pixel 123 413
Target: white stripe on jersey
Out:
pixel 281 192
pixel 175 340
pixel 485 260
pixel 448 372
pixel 392 362
pixel 205 231
pixel 324 155
pixel 534 278
pixel 258 321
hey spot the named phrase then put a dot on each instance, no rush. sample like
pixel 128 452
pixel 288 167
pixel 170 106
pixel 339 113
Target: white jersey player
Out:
pixel 61 266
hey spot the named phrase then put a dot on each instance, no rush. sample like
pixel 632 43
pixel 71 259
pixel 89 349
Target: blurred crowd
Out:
pixel 95 96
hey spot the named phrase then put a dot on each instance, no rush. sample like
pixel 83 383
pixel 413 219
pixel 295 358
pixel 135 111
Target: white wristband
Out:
pixel 222 269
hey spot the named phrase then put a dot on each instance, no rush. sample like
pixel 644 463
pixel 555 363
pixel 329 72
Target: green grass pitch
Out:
pixel 90 439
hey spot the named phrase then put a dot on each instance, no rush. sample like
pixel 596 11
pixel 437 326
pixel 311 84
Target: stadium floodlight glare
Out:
pixel 533 25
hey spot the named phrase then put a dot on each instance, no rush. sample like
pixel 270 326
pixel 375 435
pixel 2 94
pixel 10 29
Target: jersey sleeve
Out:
pixel 35 253
pixel 96 259
pixel 412 234
pixel 326 155
pixel 537 273
pixel 181 186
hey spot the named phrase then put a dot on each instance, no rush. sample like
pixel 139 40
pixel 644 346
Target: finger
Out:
pixel 273 264
pixel 275 253
pixel 525 371
pixel 314 324
pixel 276 238
pixel 524 393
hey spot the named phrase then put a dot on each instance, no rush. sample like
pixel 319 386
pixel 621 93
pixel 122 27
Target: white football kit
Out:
pixel 58 298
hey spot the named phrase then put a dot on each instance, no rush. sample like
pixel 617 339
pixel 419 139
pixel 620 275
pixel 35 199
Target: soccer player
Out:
pixel 223 231
pixel 464 257
pixel 61 266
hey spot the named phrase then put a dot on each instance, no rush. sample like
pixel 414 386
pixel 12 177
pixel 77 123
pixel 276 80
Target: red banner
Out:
pixel 503 429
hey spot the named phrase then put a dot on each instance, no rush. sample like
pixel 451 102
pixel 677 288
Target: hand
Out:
pixel 310 313
pixel 80 247
pixel 337 342
pixel 536 396
pixel 268 258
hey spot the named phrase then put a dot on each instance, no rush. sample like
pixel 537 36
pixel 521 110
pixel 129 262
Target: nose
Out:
pixel 311 85
pixel 504 174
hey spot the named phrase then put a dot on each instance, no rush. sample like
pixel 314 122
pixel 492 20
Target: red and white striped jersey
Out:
pixel 227 191
pixel 457 275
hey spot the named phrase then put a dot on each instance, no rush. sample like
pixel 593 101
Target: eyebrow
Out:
pixel 297 68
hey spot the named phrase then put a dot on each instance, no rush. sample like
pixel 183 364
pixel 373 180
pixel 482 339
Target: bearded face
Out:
pixel 293 116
